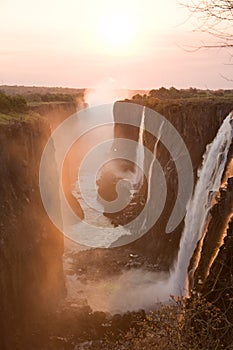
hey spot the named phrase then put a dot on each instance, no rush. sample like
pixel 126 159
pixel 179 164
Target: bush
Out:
pixel 192 324
pixel 12 103
pixel 56 97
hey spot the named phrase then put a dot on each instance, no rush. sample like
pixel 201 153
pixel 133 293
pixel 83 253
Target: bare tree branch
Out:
pixel 216 18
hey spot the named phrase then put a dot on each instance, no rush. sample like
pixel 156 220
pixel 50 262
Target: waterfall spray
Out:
pixel 138 288
pixel 208 183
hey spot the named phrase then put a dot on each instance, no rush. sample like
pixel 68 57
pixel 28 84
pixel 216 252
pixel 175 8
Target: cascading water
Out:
pixel 208 183
pixel 138 179
pixel 87 234
pixel 152 163
pixel 139 288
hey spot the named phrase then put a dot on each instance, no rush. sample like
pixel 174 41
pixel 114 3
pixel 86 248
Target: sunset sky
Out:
pixel 133 44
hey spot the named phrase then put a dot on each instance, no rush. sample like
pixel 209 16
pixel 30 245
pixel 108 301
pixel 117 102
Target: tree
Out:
pixel 216 18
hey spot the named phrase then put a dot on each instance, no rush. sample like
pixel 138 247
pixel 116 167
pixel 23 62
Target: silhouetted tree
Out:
pixel 216 17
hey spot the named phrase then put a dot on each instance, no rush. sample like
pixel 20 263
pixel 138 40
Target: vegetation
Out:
pixel 35 94
pixel 216 18
pixel 12 103
pixel 49 97
pixel 14 106
pixel 185 325
pixel 205 321
pixel 201 322
pixel 174 94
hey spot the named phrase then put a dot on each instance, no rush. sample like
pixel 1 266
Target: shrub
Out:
pixel 191 324
pixel 12 103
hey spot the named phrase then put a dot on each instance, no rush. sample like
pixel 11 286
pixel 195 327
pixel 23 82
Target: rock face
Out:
pixel 220 216
pixel 31 248
pixel 197 122
pixel 55 112
pixel 218 286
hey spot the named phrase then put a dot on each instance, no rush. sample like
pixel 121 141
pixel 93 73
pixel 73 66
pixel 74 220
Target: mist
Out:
pixel 105 92
pixel 130 291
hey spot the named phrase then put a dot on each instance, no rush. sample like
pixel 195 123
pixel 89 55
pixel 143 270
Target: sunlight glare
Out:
pixel 117 31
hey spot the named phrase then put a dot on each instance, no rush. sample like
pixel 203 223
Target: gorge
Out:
pixel 32 283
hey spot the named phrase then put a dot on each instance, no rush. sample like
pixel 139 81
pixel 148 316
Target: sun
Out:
pixel 117 31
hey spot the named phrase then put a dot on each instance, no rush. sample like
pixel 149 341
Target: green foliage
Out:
pixel 50 97
pixel 54 97
pixel 12 103
pixel 172 93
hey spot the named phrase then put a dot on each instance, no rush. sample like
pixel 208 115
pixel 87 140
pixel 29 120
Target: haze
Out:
pixel 132 44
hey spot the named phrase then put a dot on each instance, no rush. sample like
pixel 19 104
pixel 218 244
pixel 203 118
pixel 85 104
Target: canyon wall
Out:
pixel 55 112
pixel 220 216
pixel 197 122
pixel 218 286
pixel 31 248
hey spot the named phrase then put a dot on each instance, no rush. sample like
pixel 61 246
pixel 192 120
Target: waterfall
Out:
pixel 138 177
pixel 150 172
pixel 208 183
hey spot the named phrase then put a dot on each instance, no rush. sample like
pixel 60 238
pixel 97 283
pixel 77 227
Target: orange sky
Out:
pixel 134 44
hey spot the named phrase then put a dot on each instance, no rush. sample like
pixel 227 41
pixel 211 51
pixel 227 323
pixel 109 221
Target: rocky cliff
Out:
pixel 197 122
pixel 214 237
pixel 218 287
pixel 55 112
pixel 31 248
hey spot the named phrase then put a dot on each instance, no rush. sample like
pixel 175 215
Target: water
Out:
pixel 85 233
pixel 132 290
pixel 208 183
pixel 152 163
pixel 140 156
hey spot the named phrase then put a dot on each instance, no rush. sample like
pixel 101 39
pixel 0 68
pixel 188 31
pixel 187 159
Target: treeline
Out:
pixel 20 104
pixel 51 97
pixel 12 103
pixel 172 93
pixel 38 90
